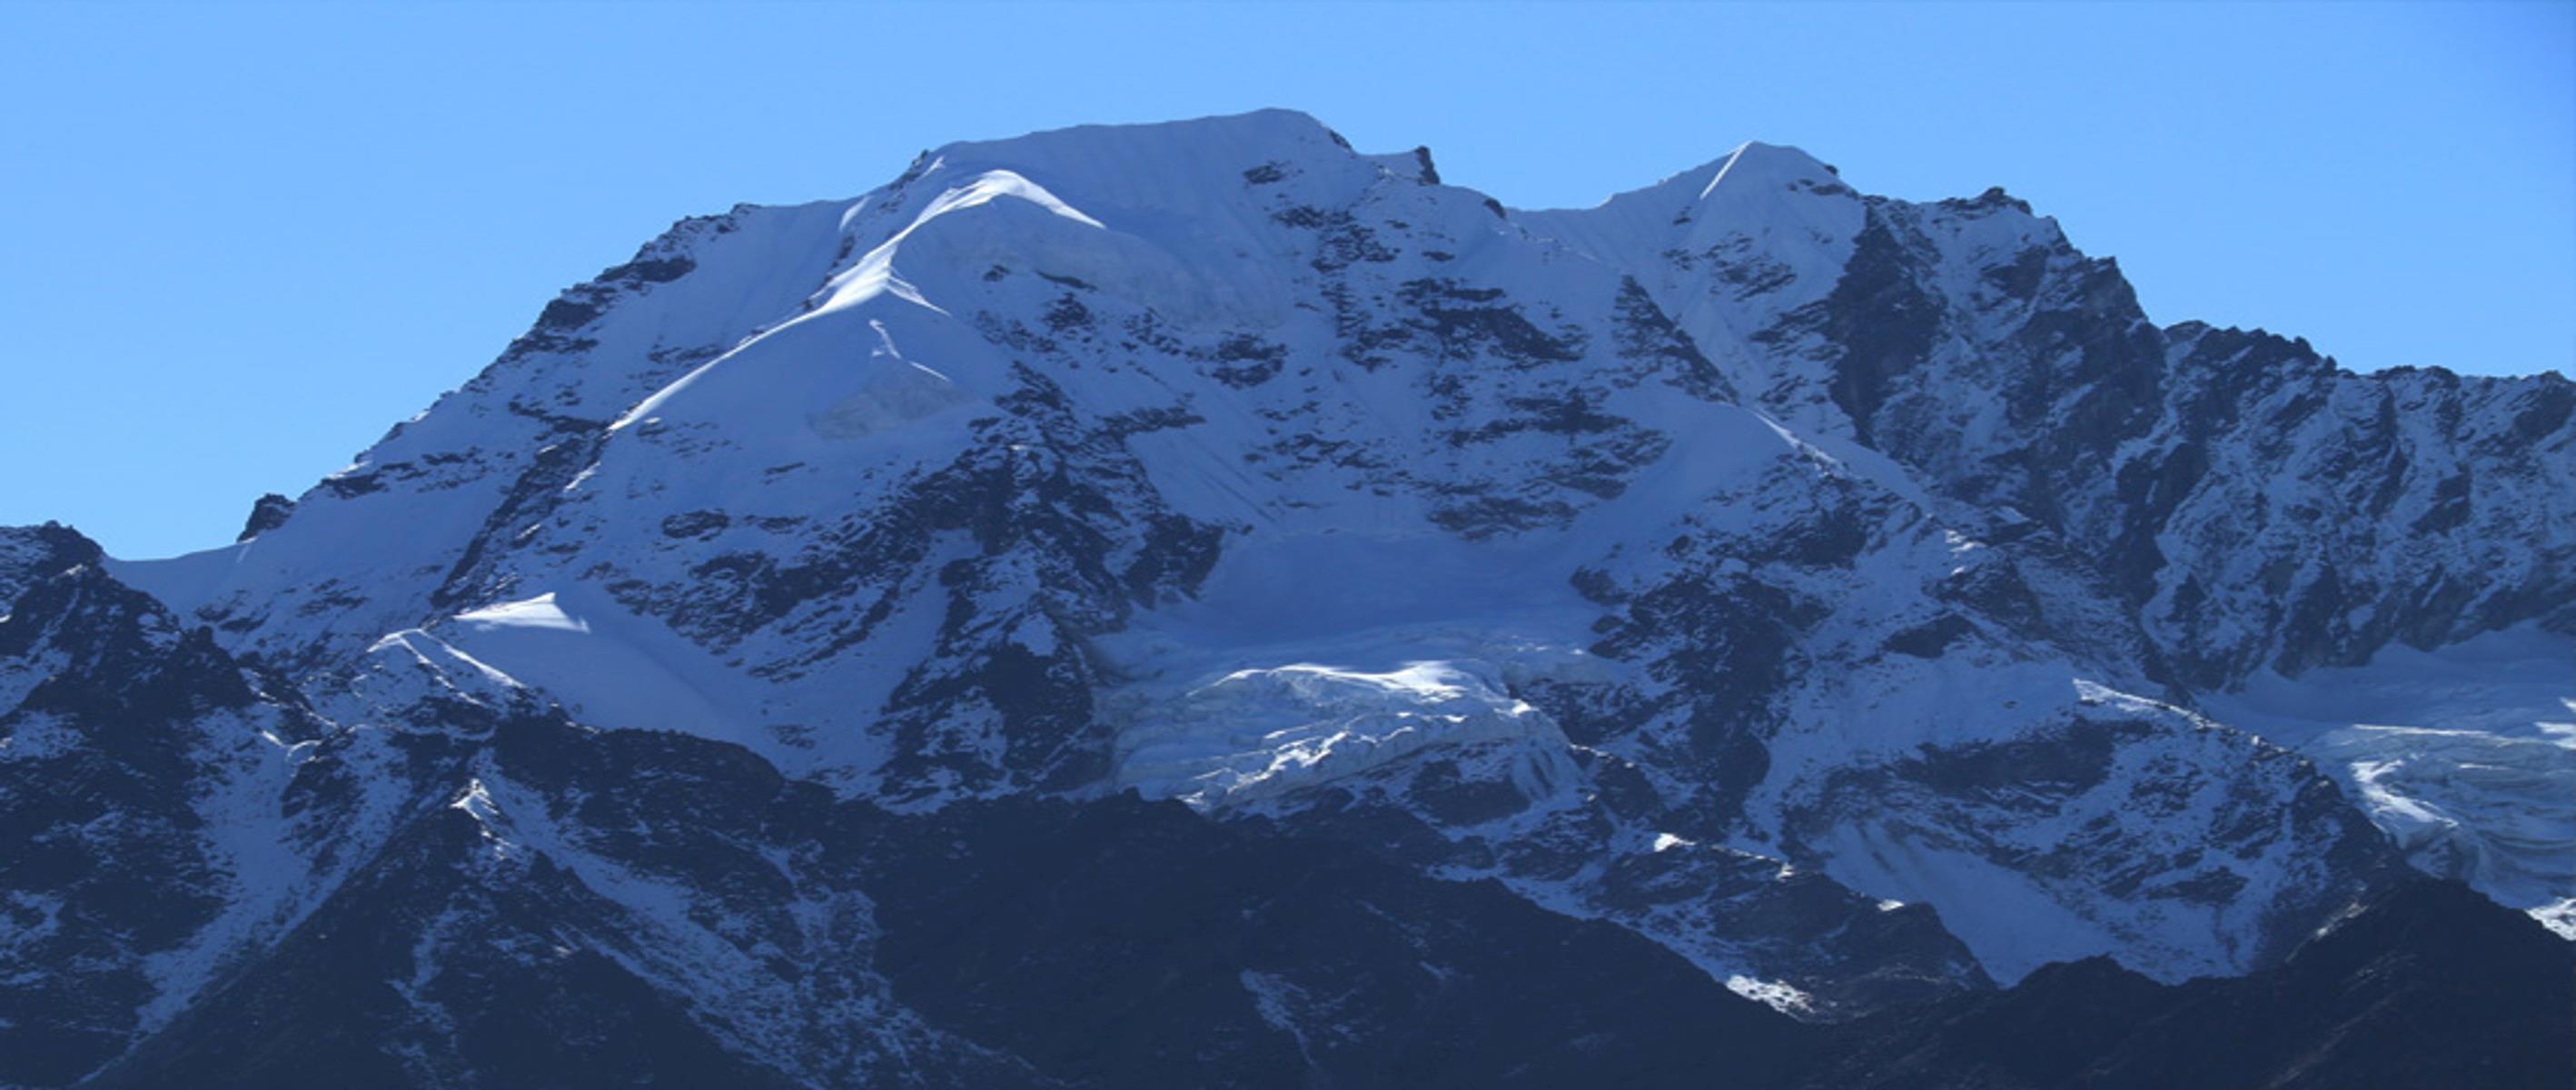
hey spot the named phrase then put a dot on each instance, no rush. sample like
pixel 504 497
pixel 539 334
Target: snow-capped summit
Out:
pixel 1767 588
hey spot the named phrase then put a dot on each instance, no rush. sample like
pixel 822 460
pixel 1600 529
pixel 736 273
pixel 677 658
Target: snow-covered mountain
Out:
pixel 1340 603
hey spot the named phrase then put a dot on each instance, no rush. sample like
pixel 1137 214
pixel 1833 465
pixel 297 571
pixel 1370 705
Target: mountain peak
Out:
pixel 1275 125
pixel 1756 164
pixel 29 553
pixel 1155 158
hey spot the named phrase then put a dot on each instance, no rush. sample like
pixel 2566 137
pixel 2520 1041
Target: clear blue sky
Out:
pixel 244 240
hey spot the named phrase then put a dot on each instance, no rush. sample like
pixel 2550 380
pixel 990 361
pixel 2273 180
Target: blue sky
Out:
pixel 244 240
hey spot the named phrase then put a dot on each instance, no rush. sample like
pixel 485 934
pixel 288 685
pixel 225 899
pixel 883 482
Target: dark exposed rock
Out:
pixel 1430 174
pixel 1883 321
pixel 106 857
pixel 1245 361
pixel 1462 321
pixel 269 513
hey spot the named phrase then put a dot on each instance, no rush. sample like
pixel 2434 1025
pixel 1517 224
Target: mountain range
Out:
pixel 1198 604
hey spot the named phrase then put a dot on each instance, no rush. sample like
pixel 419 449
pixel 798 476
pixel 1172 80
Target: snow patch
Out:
pixel 608 668
pixel 1272 997
pixel 2558 916
pixel 538 612
pixel 1773 994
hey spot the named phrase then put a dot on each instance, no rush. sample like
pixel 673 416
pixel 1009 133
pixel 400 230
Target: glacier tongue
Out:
pixel 2465 755
pixel 1261 732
